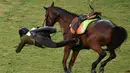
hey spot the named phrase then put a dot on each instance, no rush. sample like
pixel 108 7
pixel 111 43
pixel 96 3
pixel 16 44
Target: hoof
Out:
pixel 101 70
pixel 68 71
pixel 93 71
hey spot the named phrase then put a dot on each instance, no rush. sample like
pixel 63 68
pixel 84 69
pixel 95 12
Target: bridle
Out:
pixel 53 21
pixel 46 23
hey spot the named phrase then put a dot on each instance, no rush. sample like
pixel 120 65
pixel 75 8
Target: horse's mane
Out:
pixel 59 9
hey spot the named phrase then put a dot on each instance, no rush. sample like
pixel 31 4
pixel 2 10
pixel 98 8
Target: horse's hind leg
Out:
pixel 101 53
pixel 103 64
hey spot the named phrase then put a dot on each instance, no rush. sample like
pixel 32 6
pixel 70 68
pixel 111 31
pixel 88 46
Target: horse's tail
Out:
pixel 119 35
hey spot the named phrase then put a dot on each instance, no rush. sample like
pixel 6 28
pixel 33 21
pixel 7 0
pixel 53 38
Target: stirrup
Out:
pixel 78 41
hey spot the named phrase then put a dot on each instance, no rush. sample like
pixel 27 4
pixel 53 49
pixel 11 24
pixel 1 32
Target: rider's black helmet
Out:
pixel 23 31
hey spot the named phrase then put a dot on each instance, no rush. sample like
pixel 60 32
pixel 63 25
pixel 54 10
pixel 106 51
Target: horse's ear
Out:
pixel 45 7
pixel 52 5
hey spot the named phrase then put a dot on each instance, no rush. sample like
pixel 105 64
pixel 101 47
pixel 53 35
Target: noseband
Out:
pixel 54 21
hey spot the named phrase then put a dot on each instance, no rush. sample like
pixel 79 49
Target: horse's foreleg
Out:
pixel 66 55
pixel 103 64
pixel 101 53
pixel 72 61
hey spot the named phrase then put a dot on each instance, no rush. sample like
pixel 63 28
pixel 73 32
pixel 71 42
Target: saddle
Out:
pixel 79 24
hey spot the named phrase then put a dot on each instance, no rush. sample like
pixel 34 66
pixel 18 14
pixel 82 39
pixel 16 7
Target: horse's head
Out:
pixel 51 16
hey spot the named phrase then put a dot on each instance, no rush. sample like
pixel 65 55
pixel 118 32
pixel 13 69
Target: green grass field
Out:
pixel 30 13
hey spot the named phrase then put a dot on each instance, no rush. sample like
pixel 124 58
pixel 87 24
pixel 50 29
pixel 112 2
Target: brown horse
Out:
pixel 100 33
